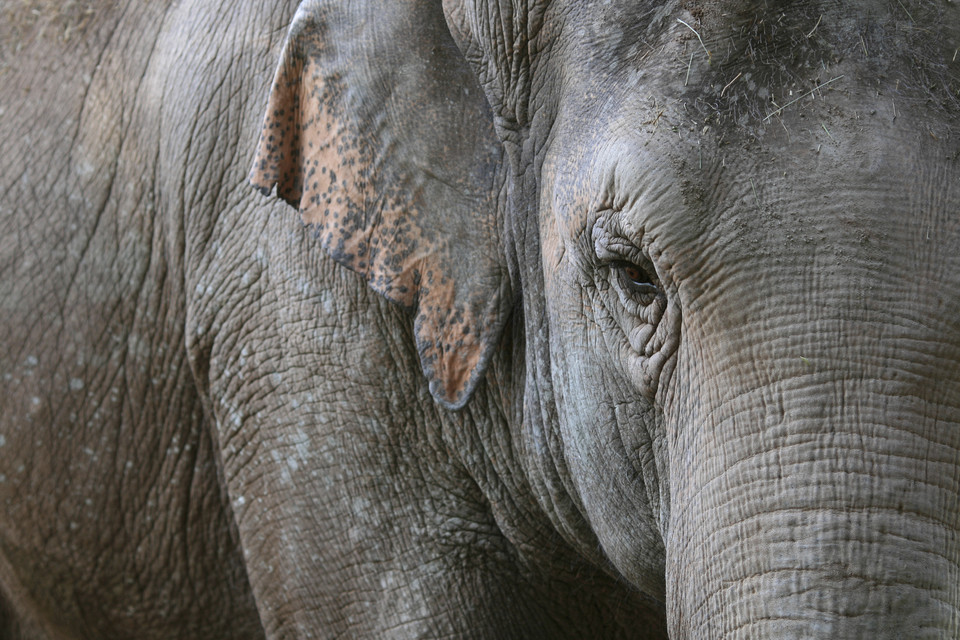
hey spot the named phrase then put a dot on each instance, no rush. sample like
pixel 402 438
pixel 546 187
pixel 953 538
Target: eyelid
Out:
pixel 613 250
pixel 611 243
pixel 616 252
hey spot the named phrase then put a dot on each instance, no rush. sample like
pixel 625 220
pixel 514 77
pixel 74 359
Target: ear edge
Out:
pixel 455 375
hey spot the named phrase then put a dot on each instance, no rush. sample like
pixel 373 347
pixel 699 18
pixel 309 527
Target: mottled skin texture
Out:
pixel 441 408
pixel 388 202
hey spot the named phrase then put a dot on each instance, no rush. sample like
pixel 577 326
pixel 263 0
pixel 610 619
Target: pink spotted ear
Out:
pixel 377 131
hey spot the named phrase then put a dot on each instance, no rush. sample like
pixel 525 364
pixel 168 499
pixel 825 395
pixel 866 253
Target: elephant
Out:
pixel 595 318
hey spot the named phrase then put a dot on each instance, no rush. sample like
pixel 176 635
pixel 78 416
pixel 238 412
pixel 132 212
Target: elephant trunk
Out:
pixel 821 504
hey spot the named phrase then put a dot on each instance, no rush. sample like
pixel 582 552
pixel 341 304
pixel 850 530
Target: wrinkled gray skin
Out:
pixel 211 427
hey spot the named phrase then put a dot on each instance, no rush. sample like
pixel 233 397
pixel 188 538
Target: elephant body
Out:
pixel 598 319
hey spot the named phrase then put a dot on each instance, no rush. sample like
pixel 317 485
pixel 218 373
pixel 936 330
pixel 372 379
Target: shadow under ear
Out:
pixel 378 132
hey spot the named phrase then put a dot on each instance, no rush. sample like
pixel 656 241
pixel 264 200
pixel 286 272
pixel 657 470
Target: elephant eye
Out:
pixel 636 282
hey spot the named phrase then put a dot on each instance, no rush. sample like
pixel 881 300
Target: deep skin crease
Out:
pixel 600 319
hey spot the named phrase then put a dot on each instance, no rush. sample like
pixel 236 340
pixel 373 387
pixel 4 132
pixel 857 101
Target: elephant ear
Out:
pixel 377 131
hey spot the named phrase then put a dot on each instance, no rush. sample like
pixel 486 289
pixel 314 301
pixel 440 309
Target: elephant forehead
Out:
pixel 849 211
pixel 879 196
pixel 742 68
pixel 844 165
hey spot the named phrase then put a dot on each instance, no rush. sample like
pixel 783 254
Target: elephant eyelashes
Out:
pixel 636 282
pixel 618 256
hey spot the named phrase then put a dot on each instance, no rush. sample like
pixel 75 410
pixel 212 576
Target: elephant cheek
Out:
pixel 806 517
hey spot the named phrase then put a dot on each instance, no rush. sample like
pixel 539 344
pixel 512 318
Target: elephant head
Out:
pixel 729 235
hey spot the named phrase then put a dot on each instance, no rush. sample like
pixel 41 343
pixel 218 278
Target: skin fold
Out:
pixel 598 319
